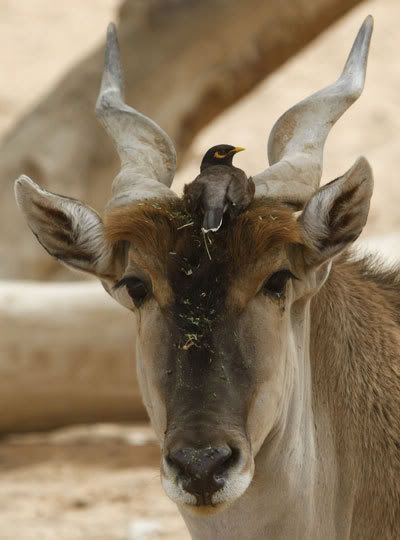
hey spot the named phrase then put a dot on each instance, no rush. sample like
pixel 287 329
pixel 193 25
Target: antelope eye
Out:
pixel 137 289
pixel 275 285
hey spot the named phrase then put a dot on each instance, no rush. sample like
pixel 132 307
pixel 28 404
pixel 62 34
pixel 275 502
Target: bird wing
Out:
pixel 216 185
pixel 217 181
pixel 213 185
pixel 241 189
pixel 217 188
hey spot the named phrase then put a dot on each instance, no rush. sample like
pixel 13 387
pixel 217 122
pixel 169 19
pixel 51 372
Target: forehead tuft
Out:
pixel 162 227
pixel 263 225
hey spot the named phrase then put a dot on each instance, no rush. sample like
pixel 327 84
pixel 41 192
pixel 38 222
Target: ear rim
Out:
pixel 26 189
pixel 359 176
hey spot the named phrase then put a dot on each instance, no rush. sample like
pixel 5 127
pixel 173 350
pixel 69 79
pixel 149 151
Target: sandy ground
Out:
pixel 85 483
pixel 101 482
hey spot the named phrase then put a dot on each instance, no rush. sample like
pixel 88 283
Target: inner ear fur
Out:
pixel 337 213
pixel 69 230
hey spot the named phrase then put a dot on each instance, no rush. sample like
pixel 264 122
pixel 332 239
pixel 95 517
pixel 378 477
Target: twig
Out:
pixel 185 225
pixel 205 244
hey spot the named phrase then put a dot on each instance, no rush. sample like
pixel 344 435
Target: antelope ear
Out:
pixel 68 230
pixel 336 214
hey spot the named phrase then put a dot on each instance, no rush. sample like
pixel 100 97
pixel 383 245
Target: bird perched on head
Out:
pixel 220 187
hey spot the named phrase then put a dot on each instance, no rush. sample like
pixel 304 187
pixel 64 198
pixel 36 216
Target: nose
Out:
pixel 202 470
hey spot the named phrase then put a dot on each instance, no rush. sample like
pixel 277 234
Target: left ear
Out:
pixel 336 214
pixel 69 230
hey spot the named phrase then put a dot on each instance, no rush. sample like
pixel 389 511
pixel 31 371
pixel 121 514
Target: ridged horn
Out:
pixel 148 158
pixel 296 142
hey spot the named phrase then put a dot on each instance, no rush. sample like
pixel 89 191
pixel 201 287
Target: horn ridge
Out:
pixel 147 154
pixel 297 139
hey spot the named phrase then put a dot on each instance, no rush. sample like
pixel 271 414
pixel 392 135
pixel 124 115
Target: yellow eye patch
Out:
pixel 219 155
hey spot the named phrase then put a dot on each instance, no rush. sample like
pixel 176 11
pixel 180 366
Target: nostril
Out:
pixel 221 458
pixel 227 461
pixel 234 457
pixel 203 470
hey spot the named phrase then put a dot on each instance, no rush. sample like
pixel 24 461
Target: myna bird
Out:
pixel 220 187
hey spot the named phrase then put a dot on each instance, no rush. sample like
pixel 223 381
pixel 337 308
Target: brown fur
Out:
pixel 155 227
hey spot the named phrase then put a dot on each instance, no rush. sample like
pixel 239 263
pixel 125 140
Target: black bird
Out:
pixel 219 187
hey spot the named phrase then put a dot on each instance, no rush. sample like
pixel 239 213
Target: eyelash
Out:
pixel 135 287
pixel 275 285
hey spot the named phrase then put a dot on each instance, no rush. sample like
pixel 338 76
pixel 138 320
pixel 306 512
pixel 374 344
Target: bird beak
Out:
pixel 237 149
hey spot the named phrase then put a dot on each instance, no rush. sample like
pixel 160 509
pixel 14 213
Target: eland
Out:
pixel 267 354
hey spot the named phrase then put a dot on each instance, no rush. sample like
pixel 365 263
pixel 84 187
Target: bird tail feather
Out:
pixel 213 219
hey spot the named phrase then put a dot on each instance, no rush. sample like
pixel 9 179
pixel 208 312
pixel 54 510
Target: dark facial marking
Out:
pixel 205 374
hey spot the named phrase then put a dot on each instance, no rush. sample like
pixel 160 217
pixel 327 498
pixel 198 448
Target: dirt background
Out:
pixel 102 482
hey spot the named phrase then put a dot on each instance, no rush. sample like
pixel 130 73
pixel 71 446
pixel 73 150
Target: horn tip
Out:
pixel 112 47
pixel 367 27
pixel 369 21
pixel 111 30
pixel 358 56
pixel 112 73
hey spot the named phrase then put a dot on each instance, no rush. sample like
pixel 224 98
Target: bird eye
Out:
pixel 275 285
pixel 219 155
pixel 137 289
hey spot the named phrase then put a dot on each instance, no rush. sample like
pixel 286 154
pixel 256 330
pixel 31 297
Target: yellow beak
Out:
pixel 237 149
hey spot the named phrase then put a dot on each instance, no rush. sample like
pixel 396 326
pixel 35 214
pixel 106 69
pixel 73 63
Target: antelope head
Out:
pixel 222 320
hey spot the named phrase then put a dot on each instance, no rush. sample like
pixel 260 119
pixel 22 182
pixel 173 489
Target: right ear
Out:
pixel 68 230
pixel 336 214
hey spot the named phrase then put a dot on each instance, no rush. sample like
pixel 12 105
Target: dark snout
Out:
pixel 202 471
pixel 207 461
